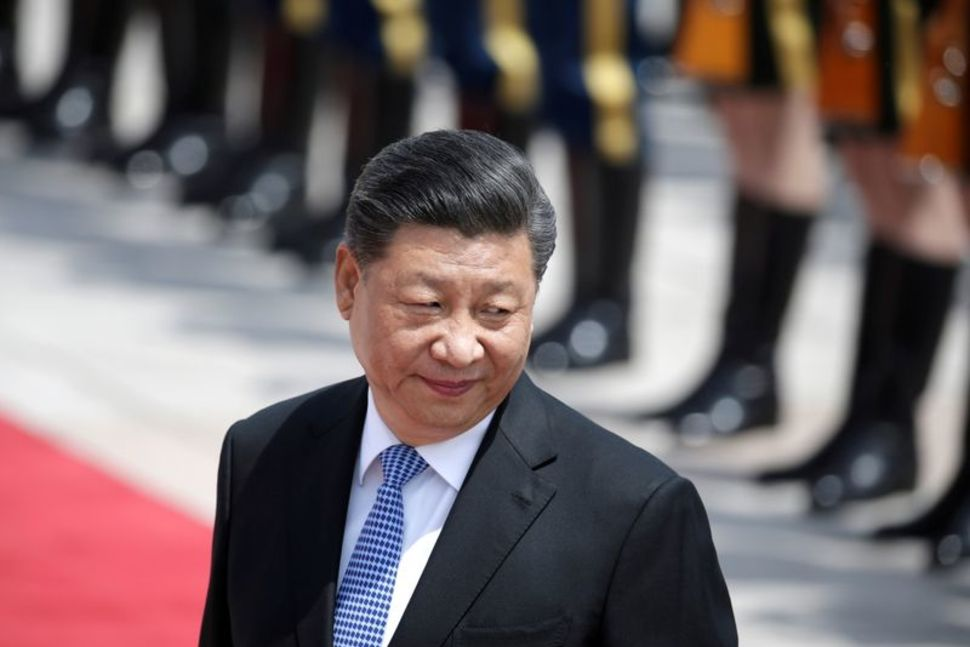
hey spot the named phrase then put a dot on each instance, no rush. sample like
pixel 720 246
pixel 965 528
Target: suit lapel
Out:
pixel 500 499
pixel 322 468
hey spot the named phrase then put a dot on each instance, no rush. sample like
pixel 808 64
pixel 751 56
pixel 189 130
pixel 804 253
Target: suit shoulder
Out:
pixel 603 456
pixel 250 435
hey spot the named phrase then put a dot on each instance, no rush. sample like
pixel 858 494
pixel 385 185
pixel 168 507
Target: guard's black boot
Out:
pixel 120 158
pixel 311 239
pixel 205 162
pixel 196 37
pixel 905 304
pixel 595 329
pixel 269 183
pixel 934 522
pixel 272 187
pixel 12 102
pixel 380 108
pixel 946 525
pixel 190 147
pixel 871 458
pixel 874 349
pixel 953 543
pixel 75 110
pixel 257 183
pixel 144 163
pixel 739 392
pixel 591 333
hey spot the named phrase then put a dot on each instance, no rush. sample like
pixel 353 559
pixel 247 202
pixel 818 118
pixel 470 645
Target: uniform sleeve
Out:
pixel 667 587
pixel 215 619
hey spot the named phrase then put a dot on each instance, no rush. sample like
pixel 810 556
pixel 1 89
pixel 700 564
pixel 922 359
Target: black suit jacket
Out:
pixel 562 534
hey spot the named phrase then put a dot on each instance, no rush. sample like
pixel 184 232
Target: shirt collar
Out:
pixel 450 458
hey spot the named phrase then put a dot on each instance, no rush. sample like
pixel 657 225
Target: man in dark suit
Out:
pixel 443 499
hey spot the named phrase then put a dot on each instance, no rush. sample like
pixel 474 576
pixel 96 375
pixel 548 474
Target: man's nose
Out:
pixel 458 344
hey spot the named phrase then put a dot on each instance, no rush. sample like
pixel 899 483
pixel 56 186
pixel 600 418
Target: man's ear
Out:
pixel 346 276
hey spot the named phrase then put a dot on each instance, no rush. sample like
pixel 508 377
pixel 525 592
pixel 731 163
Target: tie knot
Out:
pixel 401 463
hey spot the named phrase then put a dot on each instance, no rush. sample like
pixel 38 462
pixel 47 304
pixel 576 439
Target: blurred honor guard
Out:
pixel 442 498
pixel 757 60
pixel 75 108
pixel 262 177
pixel 379 45
pixel 917 225
pixel 935 145
pixel 196 38
pixel 940 134
pixel 487 45
pixel 589 95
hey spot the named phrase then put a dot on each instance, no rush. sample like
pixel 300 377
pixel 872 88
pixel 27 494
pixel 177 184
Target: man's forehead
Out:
pixel 430 254
pixel 440 279
pixel 451 242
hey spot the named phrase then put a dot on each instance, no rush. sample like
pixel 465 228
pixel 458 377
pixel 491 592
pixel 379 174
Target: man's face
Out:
pixel 441 325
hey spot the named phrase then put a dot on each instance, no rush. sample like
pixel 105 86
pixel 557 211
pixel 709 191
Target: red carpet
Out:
pixel 86 560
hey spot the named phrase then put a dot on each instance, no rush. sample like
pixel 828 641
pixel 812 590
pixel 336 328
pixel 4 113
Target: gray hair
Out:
pixel 459 179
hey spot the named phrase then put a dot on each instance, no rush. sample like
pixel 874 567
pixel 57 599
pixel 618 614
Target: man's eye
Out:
pixel 426 305
pixel 495 311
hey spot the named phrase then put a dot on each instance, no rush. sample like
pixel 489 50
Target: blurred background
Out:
pixel 759 275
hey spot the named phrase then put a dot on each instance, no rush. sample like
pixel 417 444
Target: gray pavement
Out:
pixel 134 332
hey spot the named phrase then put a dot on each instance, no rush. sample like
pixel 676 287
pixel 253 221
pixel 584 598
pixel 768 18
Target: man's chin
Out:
pixel 445 422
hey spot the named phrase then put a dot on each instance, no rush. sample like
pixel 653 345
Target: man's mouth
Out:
pixel 449 388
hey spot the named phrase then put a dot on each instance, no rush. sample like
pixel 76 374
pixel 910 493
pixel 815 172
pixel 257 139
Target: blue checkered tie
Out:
pixel 365 592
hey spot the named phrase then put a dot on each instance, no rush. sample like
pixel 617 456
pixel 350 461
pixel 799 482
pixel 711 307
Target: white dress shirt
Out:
pixel 428 498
